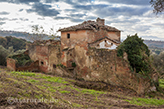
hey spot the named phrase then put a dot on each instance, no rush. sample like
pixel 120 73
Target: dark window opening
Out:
pixel 97 44
pixel 111 67
pixel 42 63
pixel 70 54
pixel 68 35
pixel 111 43
pixel 105 40
pixel 54 65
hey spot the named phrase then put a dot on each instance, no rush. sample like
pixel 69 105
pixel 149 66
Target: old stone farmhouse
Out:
pixel 89 51
pixel 90 34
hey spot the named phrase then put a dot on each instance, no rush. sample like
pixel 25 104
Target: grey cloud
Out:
pixel 116 20
pixel 21 10
pixel 22 19
pixel 152 38
pixel 76 20
pixel 61 18
pixel 124 10
pixel 90 7
pixel 43 10
pixel 142 28
pixel 131 2
pixel 69 18
pixel 4 13
pixel 4 18
pixel 1 23
pixel 77 15
pixel 90 18
pixel 19 1
pixel 41 18
pixel 13 19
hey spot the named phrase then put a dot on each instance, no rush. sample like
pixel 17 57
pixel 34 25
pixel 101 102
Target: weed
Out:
pixel 54 79
pixel 77 105
pixel 32 80
pixel 161 83
pixel 146 101
pixel 93 92
pixel 64 91
pixel 23 73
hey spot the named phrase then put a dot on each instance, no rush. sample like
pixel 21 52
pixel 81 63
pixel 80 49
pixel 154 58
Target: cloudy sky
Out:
pixel 129 16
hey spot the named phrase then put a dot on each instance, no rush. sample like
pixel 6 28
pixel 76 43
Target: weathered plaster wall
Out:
pixel 47 55
pixel 75 37
pixel 54 56
pixel 104 65
pixel 11 64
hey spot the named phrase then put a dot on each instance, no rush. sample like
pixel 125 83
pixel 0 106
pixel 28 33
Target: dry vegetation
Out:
pixel 65 93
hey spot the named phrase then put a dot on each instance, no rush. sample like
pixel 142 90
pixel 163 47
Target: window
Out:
pixel 54 66
pixel 68 36
pixel 98 45
pixel 105 40
pixel 111 43
pixel 42 63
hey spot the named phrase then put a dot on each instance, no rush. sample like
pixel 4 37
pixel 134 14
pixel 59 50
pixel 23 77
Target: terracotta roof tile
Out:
pixel 89 25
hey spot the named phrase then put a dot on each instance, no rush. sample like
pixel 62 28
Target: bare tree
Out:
pixel 158 6
pixel 38 33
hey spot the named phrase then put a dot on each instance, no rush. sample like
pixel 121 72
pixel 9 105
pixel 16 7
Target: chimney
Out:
pixel 100 21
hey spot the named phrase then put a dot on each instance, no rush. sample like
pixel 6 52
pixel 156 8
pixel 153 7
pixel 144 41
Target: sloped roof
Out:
pixel 89 25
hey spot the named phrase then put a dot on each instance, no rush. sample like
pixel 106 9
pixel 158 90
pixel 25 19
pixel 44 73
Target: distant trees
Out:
pixel 158 62
pixel 16 43
pixel 10 45
pixel 4 53
pixel 138 53
pixel 158 6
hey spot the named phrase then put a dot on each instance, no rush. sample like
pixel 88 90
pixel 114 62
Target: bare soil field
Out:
pixel 29 90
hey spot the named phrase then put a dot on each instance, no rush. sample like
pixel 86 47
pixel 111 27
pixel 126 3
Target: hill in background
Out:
pixel 17 43
pixel 17 34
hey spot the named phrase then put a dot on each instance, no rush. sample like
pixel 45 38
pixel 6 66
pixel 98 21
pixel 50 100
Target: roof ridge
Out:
pixel 89 25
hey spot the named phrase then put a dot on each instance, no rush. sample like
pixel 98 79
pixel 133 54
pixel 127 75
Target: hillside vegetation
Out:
pixel 9 41
pixel 56 92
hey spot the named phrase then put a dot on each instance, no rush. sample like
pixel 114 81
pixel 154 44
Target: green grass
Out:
pixel 161 83
pixel 24 73
pixel 77 105
pixel 65 91
pixel 93 92
pixel 54 79
pixel 146 101
pixel 33 81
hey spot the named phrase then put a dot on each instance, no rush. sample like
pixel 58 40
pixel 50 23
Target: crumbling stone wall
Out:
pixel 11 64
pixel 46 52
pixel 104 65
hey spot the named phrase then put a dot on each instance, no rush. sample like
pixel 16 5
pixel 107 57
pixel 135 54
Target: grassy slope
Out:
pixel 63 93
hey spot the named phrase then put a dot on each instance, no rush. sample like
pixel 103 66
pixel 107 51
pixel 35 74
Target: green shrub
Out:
pixel 21 59
pixel 138 53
